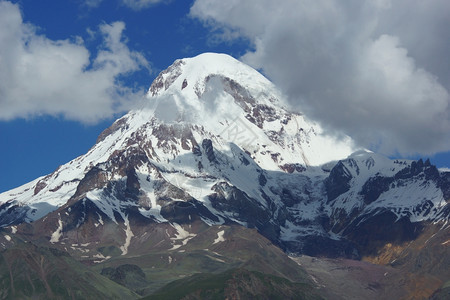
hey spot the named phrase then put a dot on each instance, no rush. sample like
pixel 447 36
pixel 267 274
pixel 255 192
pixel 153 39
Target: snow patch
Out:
pixel 182 235
pixel 220 237
pixel 215 258
pixel 57 234
pixel 106 204
pixel 100 258
pixel 129 235
pixel 149 189
pixel 100 219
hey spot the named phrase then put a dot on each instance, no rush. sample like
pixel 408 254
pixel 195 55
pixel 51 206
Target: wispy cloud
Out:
pixel 133 4
pixel 92 3
pixel 39 76
pixel 377 70
pixel 142 4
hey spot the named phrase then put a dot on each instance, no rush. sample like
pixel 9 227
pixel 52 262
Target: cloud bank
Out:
pixel 39 76
pixel 376 70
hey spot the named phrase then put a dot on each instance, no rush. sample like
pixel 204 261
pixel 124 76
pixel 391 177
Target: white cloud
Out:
pixel 141 4
pixel 133 4
pixel 368 68
pixel 92 3
pixel 39 76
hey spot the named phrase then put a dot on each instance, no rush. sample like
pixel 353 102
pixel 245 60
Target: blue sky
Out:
pixel 70 68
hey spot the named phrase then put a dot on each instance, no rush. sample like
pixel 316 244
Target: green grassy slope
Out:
pixel 235 284
pixel 31 272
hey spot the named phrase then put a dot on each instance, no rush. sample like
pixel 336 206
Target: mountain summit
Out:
pixel 236 103
pixel 213 150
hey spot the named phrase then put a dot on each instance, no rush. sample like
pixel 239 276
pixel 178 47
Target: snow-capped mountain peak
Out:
pixel 208 97
pixel 214 142
pixel 237 103
pixel 189 74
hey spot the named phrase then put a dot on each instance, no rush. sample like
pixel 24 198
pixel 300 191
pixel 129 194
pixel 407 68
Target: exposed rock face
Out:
pixel 166 78
pixel 338 182
pixel 209 150
pixel 380 229
pixel 12 213
pixel 374 187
